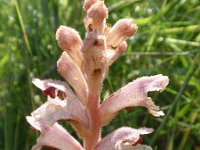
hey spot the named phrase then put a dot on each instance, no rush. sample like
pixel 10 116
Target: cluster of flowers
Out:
pixel 83 64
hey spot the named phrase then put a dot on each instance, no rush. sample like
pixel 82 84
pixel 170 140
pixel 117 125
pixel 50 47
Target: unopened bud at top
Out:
pixel 98 12
pixel 68 39
pixel 88 3
pixel 121 31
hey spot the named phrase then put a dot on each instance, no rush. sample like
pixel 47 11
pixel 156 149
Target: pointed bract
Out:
pixel 95 61
pixel 94 52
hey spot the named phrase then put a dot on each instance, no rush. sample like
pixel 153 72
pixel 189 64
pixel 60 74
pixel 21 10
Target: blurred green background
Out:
pixel 167 42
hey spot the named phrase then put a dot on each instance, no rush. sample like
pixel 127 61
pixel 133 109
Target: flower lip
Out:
pixel 52 88
pixel 64 106
pixel 50 91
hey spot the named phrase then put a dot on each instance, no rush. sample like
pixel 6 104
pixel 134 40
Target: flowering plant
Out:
pixel 83 64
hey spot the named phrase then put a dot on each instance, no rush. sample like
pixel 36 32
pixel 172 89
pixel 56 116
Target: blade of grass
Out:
pixel 170 143
pixel 110 83
pixel 7 130
pixel 182 42
pixel 191 28
pixel 121 4
pixel 187 133
pixel 27 51
pixel 16 136
pixel 154 53
pixel 22 27
pixel 161 14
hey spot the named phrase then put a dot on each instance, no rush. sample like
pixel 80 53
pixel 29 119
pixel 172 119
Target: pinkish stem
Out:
pixel 93 136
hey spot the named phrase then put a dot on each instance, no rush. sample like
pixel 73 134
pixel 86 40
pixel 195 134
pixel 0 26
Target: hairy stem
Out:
pixel 94 126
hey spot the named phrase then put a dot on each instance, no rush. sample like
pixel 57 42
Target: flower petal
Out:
pixel 56 109
pixel 122 138
pixel 54 136
pixel 74 76
pixel 134 94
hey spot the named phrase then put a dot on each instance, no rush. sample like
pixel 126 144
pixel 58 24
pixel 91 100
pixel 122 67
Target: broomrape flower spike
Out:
pixel 84 64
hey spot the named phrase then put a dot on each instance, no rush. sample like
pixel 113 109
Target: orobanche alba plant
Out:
pixel 84 64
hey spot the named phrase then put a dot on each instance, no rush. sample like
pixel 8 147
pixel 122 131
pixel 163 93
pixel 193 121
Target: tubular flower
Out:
pixel 124 138
pixel 83 64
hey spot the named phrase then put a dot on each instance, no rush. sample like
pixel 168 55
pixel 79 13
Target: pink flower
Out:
pixel 84 64
pixel 54 136
pixel 124 138
pixel 134 94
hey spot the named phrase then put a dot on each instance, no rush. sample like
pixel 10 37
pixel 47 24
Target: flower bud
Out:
pixel 73 74
pixel 97 14
pixel 68 38
pixel 70 41
pixel 122 30
pixel 88 3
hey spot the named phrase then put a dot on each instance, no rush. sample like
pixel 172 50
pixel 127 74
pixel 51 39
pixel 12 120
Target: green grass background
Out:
pixel 167 42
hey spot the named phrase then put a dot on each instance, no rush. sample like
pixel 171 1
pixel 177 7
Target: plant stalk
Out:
pixel 93 136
